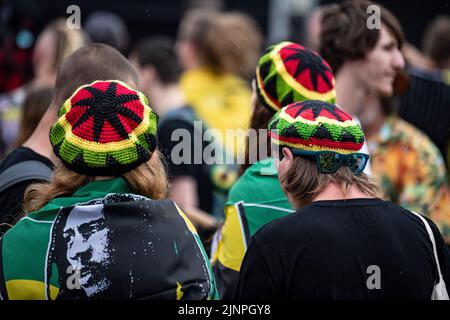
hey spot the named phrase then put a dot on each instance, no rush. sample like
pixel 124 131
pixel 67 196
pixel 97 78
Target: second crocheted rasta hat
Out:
pixel 288 73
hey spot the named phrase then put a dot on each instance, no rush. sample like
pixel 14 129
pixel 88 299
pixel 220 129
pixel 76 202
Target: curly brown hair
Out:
pixel 344 33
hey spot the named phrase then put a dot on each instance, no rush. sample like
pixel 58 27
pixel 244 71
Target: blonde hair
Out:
pixel 226 42
pixel 304 182
pixel 66 40
pixel 149 179
pixel 36 103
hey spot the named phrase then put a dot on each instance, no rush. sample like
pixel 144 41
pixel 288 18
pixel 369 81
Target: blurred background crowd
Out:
pixel 203 54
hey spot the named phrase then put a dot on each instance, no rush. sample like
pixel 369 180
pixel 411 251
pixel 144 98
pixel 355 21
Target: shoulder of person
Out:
pixel 298 226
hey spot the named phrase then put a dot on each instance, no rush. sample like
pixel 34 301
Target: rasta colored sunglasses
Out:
pixel 330 161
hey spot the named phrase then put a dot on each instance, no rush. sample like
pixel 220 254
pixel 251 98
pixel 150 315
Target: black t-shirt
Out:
pixel 11 199
pixel 426 106
pixel 200 171
pixel 346 249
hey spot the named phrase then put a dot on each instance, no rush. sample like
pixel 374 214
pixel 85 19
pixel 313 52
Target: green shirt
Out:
pixel 115 238
pixel 255 200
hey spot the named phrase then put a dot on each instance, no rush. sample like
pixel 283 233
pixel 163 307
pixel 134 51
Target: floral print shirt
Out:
pixel 411 171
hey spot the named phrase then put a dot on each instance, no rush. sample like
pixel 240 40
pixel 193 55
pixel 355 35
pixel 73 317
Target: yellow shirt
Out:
pixel 221 101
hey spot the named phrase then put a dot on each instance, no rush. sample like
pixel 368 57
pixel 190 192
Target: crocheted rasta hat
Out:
pixel 316 126
pixel 104 128
pixel 289 72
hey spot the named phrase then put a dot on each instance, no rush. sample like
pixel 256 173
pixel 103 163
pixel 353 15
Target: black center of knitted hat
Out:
pixel 107 106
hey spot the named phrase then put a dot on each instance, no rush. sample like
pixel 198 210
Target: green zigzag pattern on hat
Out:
pixel 305 131
pixel 72 153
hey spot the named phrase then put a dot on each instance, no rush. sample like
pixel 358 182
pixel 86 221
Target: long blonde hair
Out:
pixel 149 179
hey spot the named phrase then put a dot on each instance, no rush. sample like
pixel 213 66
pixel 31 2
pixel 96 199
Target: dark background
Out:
pixel 149 17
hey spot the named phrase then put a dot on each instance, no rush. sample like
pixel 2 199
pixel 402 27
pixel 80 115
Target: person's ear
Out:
pixel 149 73
pixel 288 157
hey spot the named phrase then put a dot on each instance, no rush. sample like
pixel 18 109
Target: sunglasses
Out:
pixel 330 161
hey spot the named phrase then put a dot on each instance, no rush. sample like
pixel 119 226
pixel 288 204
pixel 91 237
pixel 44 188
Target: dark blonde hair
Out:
pixel 149 179
pixel 36 104
pixel 436 41
pixel 226 42
pixel 90 63
pixel 259 120
pixel 304 182
pixel 66 40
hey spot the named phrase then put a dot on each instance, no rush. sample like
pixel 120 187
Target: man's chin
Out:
pixel 386 92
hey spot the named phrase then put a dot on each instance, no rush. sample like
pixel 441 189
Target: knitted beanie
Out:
pixel 104 128
pixel 316 126
pixel 289 72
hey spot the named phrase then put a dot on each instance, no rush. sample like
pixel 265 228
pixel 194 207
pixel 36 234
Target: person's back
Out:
pixel 345 249
pixel 101 228
pixel 343 242
pixel 411 171
pixel 96 251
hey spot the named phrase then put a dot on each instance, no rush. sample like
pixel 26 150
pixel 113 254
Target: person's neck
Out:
pixel 164 98
pixel 44 77
pixel 353 98
pixel 372 116
pixel 39 140
pixel 334 192
pixel 350 94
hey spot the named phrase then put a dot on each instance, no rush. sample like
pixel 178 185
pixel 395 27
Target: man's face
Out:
pixel 146 75
pixel 378 70
pixel 87 241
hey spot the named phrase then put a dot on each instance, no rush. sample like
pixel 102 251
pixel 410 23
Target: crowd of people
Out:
pixel 108 190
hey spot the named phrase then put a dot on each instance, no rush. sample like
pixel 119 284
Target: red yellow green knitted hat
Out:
pixel 104 128
pixel 315 125
pixel 289 72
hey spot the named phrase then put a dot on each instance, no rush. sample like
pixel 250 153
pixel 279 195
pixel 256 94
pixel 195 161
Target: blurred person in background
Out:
pixel 36 104
pixel 53 45
pixel 219 52
pixel 427 102
pixel 33 160
pixel 190 183
pixel 108 28
pixel 366 62
pixel 313 24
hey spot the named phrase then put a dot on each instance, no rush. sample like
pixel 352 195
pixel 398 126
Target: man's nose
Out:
pixel 398 61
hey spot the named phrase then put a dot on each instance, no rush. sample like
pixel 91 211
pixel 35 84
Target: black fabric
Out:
pixel 3 291
pixel 145 260
pixel 11 199
pixel 426 105
pixel 226 280
pixel 324 250
pixel 200 172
